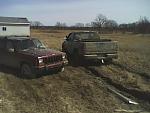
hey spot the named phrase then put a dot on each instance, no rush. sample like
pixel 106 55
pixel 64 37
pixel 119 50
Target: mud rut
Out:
pixel 77 90
pixel 142 97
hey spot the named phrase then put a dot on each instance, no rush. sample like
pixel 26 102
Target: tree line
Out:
pixel 103 25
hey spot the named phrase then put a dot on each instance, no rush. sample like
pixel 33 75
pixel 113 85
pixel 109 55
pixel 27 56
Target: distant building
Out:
pixel 14 26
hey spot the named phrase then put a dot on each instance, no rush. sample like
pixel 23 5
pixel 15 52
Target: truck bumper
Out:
pixel 100 57
pixel 49 67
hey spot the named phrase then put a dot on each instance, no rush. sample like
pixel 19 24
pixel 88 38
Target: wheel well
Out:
pixel 23 62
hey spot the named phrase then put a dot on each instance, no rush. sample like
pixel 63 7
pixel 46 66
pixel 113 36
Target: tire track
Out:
pixel 132 70
pixel 142 95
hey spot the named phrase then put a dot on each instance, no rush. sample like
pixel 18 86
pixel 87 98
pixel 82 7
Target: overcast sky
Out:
pixel 73 11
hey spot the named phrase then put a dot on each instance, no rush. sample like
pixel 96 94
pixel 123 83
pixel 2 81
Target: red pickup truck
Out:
pixel 29 55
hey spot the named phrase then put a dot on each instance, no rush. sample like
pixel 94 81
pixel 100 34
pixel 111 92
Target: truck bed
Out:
pixel 101 47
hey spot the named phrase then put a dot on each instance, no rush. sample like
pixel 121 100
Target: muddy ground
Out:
pixel 79 89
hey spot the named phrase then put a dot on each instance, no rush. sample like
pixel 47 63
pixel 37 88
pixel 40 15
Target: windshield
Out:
pixel 38 44
pixel 28 44
pixel 86 36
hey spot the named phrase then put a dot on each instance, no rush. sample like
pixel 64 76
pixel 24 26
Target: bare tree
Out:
pixel 143 25
pixel 79 25
pixel 99 22
pixel 111 24
pixel 60 24
pixel 36 24
pixel 88 25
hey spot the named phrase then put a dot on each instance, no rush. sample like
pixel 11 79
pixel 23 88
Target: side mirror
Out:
pixel 11 50
pixel 66 38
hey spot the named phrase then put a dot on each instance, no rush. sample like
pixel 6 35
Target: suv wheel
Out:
pixel 62 69
pixel 26 70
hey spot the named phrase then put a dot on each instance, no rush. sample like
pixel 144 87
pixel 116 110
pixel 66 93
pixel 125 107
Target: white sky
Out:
pixel 73 11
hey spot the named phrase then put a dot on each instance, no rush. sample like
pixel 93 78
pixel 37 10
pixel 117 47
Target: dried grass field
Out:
pixel 77 89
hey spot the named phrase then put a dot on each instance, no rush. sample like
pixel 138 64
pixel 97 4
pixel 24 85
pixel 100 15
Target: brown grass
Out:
pixel 134 51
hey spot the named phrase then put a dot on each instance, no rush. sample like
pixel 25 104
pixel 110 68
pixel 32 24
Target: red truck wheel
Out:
pixel 62 69
pixel 26 70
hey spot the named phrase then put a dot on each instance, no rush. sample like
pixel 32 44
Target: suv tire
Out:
pixel 26 70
